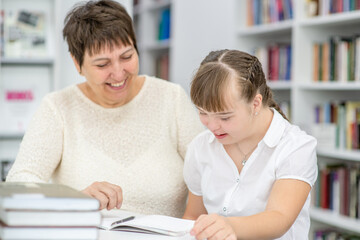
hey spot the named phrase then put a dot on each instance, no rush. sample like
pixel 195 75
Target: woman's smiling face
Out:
pixel 111 74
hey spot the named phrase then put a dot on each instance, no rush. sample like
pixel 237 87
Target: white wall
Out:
pixel 200 26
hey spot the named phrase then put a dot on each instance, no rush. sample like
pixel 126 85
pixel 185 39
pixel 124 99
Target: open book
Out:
pixel 151 224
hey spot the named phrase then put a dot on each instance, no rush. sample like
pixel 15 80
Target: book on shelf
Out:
pixel 47 218
pixel 338 189
pixel 44 196
pixel 337 125
pixel 329 234
pixel 24 34
pixel 268 11
pixel 352 110
pixel 48 233
pixel 276 61
pixel 337 59
pixel 326 7
pixel 162 66
pixel 150 224
pixel 164 24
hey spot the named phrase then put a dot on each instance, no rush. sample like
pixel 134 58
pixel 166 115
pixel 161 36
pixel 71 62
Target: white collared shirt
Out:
pixel 285 152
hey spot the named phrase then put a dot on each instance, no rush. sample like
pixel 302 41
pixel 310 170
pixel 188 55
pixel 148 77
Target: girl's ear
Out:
pixel 257 103
pixel 78 68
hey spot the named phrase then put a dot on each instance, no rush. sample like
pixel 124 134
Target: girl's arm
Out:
pixel 285 203
pixel 195 207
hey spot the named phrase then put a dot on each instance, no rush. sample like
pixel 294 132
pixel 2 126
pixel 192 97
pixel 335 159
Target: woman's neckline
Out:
pixel 126 105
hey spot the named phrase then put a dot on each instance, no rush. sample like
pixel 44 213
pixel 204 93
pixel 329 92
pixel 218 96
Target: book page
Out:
pixel 155 223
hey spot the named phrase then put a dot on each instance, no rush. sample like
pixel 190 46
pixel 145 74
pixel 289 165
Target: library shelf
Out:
pixel 280 85
pixel 12 136
pixel 141 7
pixel 266 29
pixel 157 45
pixel 351 155
pixel 302 92
pixel 336 19
pixel 348 86
pixel 26 61
pixel 336 220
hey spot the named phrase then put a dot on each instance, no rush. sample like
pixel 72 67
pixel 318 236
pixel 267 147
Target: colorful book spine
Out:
pixel 337 59
pixel 268 11
pixel 276 60
pixel 346 117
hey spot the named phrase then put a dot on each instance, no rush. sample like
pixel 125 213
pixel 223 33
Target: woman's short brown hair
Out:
pixel 92 25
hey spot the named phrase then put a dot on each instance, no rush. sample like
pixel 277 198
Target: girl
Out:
pixel 251 172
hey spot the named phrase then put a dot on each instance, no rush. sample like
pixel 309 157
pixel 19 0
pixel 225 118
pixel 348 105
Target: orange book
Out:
pixel 325 61
pixel 316 62
pixel 249 10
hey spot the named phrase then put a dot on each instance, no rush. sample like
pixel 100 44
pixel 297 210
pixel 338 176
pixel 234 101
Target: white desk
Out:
pixel 118 235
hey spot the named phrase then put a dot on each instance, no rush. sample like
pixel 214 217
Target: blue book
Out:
pixel 164 27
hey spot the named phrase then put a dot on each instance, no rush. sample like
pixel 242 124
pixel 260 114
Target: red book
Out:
pixel 324 188
pixel 274 63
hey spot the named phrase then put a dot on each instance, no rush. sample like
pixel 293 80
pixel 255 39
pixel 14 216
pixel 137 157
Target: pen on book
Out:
pixel 123 220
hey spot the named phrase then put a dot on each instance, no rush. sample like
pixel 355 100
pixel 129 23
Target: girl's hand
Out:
pixel 213 227
pixel 108 194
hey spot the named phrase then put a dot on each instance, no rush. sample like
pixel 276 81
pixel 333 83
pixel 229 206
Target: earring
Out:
pixel 256 113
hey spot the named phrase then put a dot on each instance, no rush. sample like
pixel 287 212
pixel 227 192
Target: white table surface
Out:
pixel 119 235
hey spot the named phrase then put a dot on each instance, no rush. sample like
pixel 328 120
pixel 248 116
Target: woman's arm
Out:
pixel 41 148
pixel 195 207
pixel 187 120
pixel 285 203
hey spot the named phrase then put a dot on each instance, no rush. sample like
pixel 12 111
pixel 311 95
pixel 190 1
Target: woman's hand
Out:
pixel 213 227
pixel 109 195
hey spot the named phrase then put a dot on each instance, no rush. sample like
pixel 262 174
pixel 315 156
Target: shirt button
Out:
pixel 224 209
pixel 237 180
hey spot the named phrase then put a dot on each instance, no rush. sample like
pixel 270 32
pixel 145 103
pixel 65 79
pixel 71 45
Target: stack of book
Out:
pixel 47 211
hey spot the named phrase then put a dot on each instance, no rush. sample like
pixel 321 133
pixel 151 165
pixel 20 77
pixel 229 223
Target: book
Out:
pixel 150 224
pixel 48 233
pixel 44 196
pixel 50 218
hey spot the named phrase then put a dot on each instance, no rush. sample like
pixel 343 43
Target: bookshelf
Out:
pixel 153 26
pixel 302 92
pixel 26 76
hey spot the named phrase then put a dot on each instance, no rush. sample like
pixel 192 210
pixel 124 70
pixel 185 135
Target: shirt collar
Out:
pixel 211 137
pixel 276 130
pixel 273 134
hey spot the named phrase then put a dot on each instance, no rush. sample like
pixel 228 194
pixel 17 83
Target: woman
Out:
pixel 250 174
pixel 117 133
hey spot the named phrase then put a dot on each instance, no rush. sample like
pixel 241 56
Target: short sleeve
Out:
pixel 192 171
pixel 300 161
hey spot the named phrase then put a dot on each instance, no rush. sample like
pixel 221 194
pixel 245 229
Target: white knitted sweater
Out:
pixel 139 146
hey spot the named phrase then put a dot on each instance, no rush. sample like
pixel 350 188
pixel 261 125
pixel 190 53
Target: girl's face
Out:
pixel 233 125
pixel 111 75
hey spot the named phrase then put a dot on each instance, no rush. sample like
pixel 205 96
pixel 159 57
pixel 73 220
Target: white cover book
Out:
pixel 48 233
pixel 50 218
pixel 44 196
